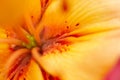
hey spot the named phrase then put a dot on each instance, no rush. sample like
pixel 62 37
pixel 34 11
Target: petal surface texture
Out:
pixel 80 39
pixel 91 28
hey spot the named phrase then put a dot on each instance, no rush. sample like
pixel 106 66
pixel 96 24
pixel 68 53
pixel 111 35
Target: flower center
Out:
pixel 32 43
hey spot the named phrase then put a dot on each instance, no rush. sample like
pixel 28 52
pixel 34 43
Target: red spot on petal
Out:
pixel 77 24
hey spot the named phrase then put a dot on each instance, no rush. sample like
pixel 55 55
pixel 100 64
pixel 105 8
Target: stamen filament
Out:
pixel 15 56
pixel 11 41
pixel 29 24
pixel 37 34
pixel 22 35
pixel 36 55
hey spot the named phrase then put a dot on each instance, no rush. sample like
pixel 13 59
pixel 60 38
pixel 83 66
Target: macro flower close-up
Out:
pixel 59 40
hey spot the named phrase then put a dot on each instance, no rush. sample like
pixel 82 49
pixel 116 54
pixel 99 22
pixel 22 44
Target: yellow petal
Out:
pixel 86 60
pixel 33 72
pixel 89 56
pixel 94 51
pixel 64 16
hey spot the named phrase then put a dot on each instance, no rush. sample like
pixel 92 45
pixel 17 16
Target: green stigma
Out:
pixel 31 44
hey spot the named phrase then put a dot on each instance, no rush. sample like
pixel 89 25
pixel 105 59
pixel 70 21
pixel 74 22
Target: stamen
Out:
pixel 11 41
pixel 16 56
pixel 21 34
pixel 37 34
pixel 29 24
pixel 36 54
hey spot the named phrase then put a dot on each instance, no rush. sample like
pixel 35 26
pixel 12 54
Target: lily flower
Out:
pixel 59 39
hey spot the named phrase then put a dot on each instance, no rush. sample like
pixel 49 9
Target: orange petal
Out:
pixel 3 59
pixel 3 35
pixel 4 53
pixel 12 12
